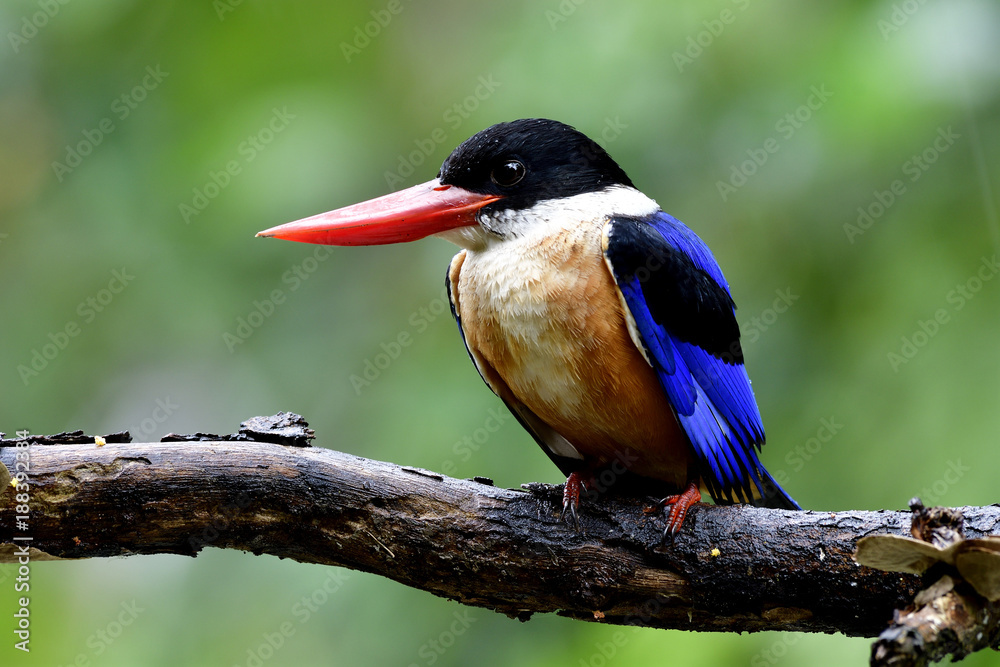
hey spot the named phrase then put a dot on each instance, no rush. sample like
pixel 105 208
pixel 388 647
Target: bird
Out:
pixel 602 322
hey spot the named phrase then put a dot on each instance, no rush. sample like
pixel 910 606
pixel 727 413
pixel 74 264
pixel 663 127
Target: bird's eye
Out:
pixel 508 173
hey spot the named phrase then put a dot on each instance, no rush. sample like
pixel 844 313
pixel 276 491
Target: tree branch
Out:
pixel 735 568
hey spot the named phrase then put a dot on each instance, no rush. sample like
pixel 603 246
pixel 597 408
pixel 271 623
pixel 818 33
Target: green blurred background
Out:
pixel 154 140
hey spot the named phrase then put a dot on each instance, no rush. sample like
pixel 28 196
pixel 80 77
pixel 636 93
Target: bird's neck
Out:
pixel 550 217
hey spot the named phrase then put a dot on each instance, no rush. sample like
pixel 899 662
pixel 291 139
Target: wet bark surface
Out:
pixel 731 568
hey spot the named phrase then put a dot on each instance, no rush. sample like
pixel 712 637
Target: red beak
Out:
pixel 407 215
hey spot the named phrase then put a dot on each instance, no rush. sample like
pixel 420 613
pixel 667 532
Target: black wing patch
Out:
pixel 683 297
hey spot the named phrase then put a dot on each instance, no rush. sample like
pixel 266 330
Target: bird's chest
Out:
pixel 537 309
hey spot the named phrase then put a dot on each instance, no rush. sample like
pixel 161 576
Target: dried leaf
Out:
pixel 895 553
pixel 978 560
pixel 981 568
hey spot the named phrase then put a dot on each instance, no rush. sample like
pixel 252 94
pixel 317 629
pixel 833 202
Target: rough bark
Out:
pixel 735 568
pixel 956 615
pixel 946 619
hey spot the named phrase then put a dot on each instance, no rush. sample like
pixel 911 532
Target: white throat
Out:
pixel 551 216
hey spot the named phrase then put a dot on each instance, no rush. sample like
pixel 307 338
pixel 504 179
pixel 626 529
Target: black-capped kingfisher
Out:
pixel 603 323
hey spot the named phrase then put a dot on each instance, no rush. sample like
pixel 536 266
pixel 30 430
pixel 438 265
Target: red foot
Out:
pixel 571 497
pixel 681 504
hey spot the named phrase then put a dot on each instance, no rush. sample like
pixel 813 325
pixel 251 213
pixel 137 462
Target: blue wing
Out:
pixel 684 316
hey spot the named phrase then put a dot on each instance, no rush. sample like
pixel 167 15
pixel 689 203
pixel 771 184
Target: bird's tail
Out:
pixel 772 495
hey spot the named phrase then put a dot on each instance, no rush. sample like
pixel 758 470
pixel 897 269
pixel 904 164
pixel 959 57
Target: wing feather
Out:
pixel 681 307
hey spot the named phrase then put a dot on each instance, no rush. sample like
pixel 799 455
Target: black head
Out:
pixel 531 160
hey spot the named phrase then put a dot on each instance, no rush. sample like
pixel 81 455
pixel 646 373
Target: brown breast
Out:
pixel 545 317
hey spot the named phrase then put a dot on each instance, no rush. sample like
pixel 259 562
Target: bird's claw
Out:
pixel 571 498
pixel 679 506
